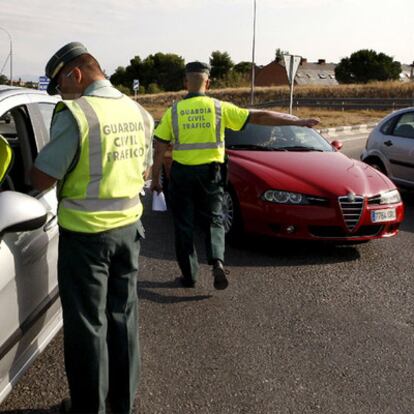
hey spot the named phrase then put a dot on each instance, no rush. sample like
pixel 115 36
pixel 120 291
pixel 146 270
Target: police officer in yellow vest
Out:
pixel 195 127
pixel 98 154
pixel 6 158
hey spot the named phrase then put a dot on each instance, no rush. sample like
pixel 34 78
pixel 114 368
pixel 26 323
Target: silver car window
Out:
pixel 18 133
pixel 388 126
pixel 46 110
pixel 405 126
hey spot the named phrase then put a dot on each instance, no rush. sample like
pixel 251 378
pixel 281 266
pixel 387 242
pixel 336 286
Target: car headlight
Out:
pixel 284 197
pixel 390 197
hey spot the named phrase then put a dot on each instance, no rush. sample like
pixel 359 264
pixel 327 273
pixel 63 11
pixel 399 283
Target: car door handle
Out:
pixel 388 143
pixel 50 224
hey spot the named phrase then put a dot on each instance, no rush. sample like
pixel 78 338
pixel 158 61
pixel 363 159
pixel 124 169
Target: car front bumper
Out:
pixel 304 222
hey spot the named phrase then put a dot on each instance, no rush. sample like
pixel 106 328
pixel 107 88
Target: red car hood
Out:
pixel 313 173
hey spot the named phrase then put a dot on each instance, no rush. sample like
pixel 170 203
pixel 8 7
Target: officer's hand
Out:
pixel 308 122
pixel 155 187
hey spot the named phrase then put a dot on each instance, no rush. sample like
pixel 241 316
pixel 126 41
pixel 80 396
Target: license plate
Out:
pixel 378 216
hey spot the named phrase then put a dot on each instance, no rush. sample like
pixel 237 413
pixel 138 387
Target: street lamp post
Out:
pixel 253 54
pixel 10 54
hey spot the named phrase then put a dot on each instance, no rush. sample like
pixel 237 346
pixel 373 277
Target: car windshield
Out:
pixel 276 138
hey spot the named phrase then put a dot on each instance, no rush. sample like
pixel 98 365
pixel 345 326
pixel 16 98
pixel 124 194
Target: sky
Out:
pixel 115 31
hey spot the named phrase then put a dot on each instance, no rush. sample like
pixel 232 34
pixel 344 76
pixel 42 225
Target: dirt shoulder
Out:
pixel 156 104
pixel 329 118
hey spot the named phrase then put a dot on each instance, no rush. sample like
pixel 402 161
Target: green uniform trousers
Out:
pixel 97 276
pixel 197 191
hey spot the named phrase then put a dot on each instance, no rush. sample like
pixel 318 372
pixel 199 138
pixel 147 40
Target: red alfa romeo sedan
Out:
pixel 289 182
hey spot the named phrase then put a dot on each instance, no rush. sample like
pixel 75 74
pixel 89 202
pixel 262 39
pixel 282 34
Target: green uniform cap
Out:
pixel 61 58
pixel 199 67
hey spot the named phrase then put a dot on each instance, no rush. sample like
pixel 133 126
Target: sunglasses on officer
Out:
pixel 67 75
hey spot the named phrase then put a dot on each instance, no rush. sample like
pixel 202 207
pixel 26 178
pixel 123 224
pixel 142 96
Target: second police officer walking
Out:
pixel 195 127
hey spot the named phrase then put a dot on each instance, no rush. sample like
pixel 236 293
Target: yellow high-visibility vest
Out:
pixel 102 190
pixel 6 158
pixel 196 125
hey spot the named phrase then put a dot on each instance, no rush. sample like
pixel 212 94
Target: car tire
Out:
pixel 378 166
pixel 233 224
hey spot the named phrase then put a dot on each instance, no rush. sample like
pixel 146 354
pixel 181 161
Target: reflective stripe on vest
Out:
pixel 199 145
pixel 93 202
pixel 95 151
pixel 97 204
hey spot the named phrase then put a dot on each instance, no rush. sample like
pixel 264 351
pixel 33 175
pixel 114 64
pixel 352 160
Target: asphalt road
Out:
pixel 303 328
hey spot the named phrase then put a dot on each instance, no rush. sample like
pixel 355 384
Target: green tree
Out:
pixel 153 88
pixel 3 80
pixel 125 75
pixel 243 67
pixel 124 89
pixel 221 64
pixel 164 69
pixel 367 65
pixel 279 54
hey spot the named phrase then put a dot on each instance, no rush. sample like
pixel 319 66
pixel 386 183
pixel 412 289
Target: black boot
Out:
pixel 220 279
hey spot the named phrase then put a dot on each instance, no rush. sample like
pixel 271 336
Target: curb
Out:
pixel 347 129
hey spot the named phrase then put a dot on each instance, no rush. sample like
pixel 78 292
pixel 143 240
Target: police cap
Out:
pixel 199 67
pixel 61 58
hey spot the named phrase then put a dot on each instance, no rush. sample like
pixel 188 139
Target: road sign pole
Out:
pixel 135 87
pixel 291 64
pixel 291 77
pixel 253 74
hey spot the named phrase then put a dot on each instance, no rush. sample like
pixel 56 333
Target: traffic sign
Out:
pixel 291 64
pixel 135 84
pixel 43 83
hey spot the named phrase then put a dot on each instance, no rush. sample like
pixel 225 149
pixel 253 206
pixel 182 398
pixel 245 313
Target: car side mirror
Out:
pixel 20 212
pixel 337 144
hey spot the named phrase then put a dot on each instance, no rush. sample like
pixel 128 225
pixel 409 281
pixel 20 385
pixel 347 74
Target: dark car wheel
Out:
pixel 231 215
pixel 377 165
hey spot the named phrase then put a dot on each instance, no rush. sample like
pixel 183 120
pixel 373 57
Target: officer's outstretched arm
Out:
pixel 160 149
pixel 272 118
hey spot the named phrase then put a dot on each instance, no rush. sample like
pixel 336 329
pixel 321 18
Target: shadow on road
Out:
pixel 51 410
pixel 249 250
pixel 408 224
pixel 262 251
pixel 145 294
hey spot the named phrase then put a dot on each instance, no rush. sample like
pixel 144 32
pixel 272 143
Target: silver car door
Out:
pixel 400 149
pixel 29 305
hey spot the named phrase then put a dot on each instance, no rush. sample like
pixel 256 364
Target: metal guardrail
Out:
pixel 343 103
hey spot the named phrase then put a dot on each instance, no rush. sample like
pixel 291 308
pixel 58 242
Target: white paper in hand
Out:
pixel 158 201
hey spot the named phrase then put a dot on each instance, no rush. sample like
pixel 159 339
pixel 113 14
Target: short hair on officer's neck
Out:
pixel 196 79
pixel 87 62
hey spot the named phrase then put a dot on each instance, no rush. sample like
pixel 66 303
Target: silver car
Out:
pixel 30 313
pixel 390 147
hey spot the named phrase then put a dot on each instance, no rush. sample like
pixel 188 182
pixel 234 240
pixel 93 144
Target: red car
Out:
pixel 289 182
